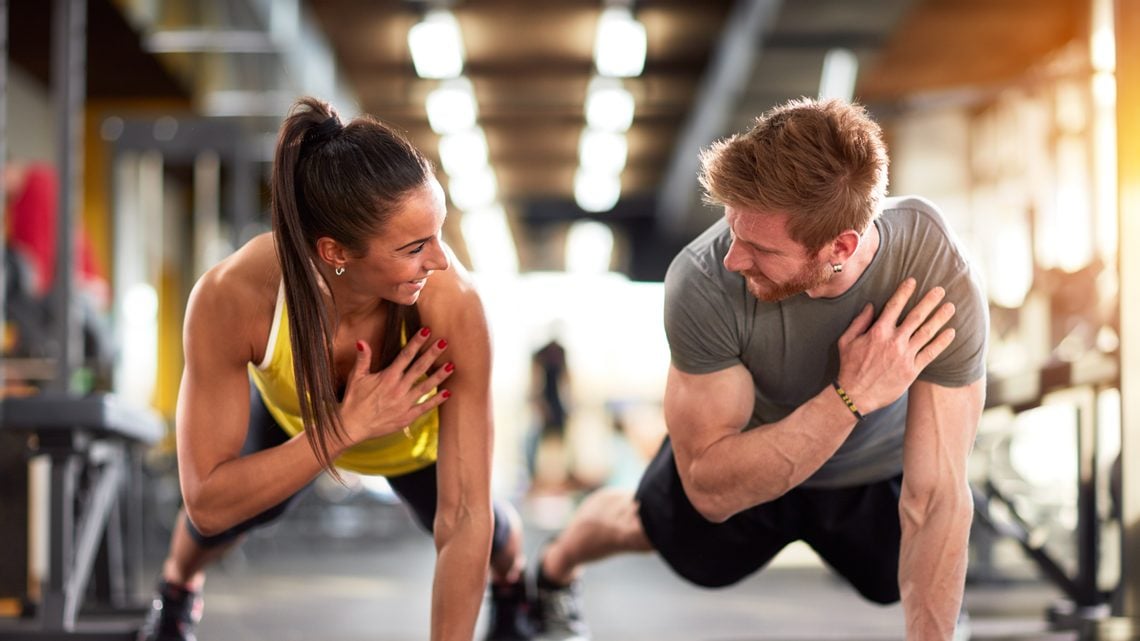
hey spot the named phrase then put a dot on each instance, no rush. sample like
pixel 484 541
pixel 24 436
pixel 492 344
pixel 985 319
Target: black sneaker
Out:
pixel 509 613
pixel 558 611
pixel 173 614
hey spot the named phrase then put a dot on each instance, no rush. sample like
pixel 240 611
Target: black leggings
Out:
pixel 418 489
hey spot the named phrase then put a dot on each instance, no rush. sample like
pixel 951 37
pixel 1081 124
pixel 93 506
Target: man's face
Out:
pixel 774 266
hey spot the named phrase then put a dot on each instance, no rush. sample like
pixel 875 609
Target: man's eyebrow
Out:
pixel 762 248
pixel 414 242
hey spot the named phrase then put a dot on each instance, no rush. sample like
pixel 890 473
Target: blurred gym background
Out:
pixel 137 136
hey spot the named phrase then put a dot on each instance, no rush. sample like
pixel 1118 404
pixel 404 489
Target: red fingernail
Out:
pixel 441 344
pixel 360 346
pixel 445 393
pixel 425 332
pixel 449 367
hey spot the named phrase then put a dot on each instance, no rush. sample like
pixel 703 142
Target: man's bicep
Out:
pixel 700 409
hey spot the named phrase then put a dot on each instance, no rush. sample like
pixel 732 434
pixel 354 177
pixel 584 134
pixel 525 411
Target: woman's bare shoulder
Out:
pixel 235 299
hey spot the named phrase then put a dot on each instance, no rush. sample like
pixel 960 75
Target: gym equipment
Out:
pixel 1080 381
pixel 91 446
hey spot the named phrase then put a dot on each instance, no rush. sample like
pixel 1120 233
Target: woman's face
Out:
pixel 397 262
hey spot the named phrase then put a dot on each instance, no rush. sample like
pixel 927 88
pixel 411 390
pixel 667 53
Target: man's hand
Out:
pixel 878 361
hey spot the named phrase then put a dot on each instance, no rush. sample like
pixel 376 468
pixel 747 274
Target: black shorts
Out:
pixel 417 490
pixel 854 529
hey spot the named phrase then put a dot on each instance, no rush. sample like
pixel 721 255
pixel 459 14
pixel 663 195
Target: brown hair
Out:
pixel 823 163
pixel 343 182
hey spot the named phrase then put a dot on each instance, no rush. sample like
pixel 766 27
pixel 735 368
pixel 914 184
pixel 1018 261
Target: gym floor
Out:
pixel 282 586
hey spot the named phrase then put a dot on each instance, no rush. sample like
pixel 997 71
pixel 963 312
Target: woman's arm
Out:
pixel 463 521
pixel 221 488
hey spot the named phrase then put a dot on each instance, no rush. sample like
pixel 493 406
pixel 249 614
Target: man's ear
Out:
pixel 331 252
pixel 844 246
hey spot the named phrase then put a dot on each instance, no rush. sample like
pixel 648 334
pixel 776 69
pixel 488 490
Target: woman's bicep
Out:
pixel 213 399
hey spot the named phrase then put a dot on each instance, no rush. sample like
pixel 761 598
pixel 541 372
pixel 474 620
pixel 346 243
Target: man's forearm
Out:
pixel 753 467
pixel 932 563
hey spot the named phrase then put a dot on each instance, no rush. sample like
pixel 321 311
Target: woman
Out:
pixel 341 318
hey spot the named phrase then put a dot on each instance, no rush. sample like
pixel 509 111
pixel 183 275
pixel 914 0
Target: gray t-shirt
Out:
pixel 790 347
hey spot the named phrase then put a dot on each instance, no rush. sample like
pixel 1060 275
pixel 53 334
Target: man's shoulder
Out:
pixel 912 206
pixel 919 223
pixel 704 255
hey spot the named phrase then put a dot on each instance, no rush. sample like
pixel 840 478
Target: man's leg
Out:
pixel 605 524
pixel 658 517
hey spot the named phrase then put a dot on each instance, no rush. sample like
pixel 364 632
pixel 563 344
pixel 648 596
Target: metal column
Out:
pixel 69 75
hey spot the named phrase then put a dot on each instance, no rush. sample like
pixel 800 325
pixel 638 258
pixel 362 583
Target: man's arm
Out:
pixel 725 471
pixel 936 506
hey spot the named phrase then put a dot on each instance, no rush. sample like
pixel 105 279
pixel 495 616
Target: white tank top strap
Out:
pixel 271 346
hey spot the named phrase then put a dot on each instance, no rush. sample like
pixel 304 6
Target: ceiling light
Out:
pixel 489 240
pixel 451 106
pixel 473 190
pixel 596 191
pixel 837 80
pixel 589 247
pixel 619 49
pixel 437 46
pixel 464 151
pixel 609 107
pixel 602 151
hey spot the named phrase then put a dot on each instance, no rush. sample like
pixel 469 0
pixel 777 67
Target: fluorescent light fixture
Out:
pixel 602 151
pixel 609 107
pixel 451 106
pixel 473 190
pixel 619 50
pixel 464 151
pixel 589 247
pixel 596 191
pixel 489 240
pixel 837 80
pixel 436 45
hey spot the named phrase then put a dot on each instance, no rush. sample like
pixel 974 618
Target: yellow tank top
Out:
pixel 390 455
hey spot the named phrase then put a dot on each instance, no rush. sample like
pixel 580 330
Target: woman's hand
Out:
pixel 381 403
pixel 879 361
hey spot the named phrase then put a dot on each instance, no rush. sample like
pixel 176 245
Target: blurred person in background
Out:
pixel 322 345
pixel 30 258
pixel 547 454
pixel 793 412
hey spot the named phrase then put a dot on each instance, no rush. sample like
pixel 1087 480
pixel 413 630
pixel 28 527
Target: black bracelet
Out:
pixel 846 399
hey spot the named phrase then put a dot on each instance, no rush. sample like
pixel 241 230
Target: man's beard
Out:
pixel 810 277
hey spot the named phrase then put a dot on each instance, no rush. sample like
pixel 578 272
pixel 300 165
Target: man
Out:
pixel 794 413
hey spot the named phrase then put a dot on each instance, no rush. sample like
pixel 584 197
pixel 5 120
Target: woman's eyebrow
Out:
pixel 414 242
